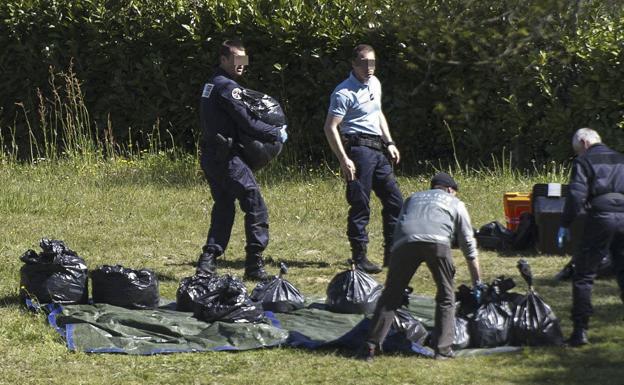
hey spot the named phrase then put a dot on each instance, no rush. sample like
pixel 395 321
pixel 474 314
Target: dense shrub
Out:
pixel 480 77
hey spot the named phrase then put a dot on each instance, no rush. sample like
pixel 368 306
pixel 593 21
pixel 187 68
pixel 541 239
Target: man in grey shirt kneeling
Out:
pixel 427 225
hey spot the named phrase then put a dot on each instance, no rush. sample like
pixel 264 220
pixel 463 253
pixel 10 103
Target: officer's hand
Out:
pixel 348 169
pixel 394 153
pixel 283 135
pixel 477 292
pixel 562 235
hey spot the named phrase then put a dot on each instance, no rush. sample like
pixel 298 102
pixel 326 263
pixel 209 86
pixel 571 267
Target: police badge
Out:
pixel 236 93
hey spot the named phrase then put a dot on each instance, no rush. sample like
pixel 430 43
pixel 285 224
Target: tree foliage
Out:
pixel 479 77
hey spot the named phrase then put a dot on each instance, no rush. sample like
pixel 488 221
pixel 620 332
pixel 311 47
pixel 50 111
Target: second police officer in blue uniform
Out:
pixel 358 134
pixel 223 117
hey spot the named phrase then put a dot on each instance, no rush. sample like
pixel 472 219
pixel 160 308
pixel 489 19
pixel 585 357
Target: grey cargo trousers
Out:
pixel 403 265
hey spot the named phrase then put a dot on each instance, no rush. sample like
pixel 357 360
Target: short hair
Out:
pixel 226 47
pixel 587 135
pixel 361 48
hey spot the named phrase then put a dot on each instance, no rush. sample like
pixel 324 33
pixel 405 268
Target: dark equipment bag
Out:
pixel 120 286
pixel 57 274
pixel 494 236
pixel 548 201
pixel 278 294
pixel 256 153
pixel 353 291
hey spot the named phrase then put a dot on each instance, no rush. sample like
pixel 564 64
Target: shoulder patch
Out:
pixel 207 90
pixel 236 93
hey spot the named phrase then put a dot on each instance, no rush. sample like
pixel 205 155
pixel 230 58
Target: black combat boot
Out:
pixel 207 264
pixel 358 254
pixel 254 268
pixel 364 264
pixel 578 337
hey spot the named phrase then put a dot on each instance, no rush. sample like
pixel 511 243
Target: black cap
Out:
pixel 444 179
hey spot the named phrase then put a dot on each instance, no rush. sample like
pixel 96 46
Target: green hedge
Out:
pixel 487 76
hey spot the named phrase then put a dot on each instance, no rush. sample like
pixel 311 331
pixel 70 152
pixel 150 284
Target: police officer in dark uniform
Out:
pixel 223 117
pixel 358 134
pixel 596 184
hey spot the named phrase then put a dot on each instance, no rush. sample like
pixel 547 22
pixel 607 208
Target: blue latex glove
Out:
pixel 477 292
pixel 283 135
pixel 562 235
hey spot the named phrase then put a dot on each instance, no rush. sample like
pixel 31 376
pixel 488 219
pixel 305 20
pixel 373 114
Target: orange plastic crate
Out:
pixel 515 203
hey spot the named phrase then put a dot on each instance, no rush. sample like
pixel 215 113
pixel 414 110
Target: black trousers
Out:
pixel 403 265
pixel 230 181
pixel 373 173
pixel 604 233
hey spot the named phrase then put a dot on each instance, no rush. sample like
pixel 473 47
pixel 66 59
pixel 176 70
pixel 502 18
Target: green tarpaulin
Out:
pixel 103 328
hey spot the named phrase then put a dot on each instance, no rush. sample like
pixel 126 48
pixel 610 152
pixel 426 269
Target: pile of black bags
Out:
pixel 217 298
pixel 353 291
pixel 57 274
pixel 506 318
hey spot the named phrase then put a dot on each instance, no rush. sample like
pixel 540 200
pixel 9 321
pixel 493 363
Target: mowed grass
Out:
pixel 154 213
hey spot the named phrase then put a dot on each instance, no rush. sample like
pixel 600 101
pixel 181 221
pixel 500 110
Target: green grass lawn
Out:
pixel 154 213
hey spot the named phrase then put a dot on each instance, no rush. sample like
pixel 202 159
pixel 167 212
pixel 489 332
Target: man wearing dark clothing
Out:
pixel 358 134
pixel 427 224
pixel 223 118
pixel 597 185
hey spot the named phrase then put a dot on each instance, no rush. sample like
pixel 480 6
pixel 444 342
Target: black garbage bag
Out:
pixel 264 107
pixel 190 290
pixel 491 324
pixel 405 323
pixel 120 286
pixel 534 322
pixel 278 294
pixel 462 334
pixel 226 300
pixel 57 274
pixel 257 153
pixel 490 321
pixel 353 291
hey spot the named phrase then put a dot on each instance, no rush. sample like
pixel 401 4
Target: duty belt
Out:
pixel 369 141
